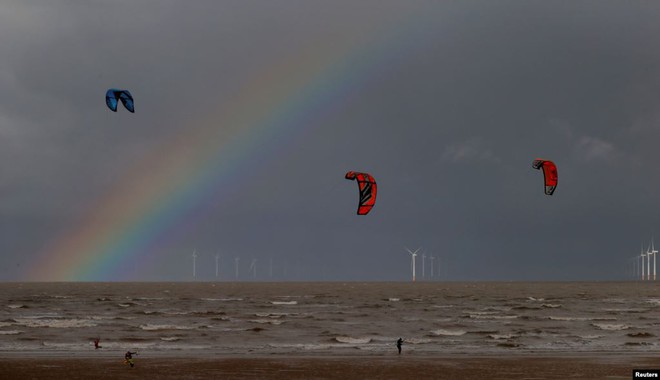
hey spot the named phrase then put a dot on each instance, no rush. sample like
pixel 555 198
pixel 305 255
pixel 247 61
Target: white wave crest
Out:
pixel 551 305
pixel 351 340
pixel 274 315
pixel 417 340
pixel 10 332
pixel 222 299
pixel 55 323
pixel 16 306
pixel 627 310
pixel 485 316
pixel 284 302
pixel 267 321
pixel 169 338
pixel 653 301
pixel 150 327
pixel 568 318
pixel 448 332
pixel 589 337
pixel 610 326
pixel 502 336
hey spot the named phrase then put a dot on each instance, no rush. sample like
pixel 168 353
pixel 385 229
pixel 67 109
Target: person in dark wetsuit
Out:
pixel 96 343
pixel 398 344
pixel 128 358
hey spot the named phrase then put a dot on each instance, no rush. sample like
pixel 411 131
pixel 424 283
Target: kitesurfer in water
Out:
pixel 398 344
pixel 128 358
pixel 96 343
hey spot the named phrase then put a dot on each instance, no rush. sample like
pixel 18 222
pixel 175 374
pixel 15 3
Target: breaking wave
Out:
pixel 610 326
pixel 10 332
pixel 54 323
pixel 267 321
pixel 351 340
pixel 150 327
pixel 284 302
pixel 448 332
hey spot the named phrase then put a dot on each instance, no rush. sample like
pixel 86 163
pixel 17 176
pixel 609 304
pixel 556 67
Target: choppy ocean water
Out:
pixel 433 318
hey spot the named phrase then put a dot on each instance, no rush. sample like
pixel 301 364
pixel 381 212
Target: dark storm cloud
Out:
pixel 448 127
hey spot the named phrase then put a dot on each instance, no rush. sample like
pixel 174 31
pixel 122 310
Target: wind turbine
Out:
pixel 654 253
pixel 236 260
pixel 217 257
pixel 412 263
pixel 642 255
pixel 423 265
pixel 253 268
pixel 648 263
pixel 431 258
pixel 194 256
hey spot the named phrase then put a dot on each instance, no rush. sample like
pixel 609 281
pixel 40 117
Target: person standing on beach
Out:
pixel 128 358
pixel 398 344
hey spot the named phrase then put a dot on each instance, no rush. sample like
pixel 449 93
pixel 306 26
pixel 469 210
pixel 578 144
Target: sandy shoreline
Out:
pixel 328 367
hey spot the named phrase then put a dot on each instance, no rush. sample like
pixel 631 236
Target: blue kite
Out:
pixel 126 98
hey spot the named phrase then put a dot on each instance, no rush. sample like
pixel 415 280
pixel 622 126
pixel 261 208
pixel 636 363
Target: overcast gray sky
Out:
pixel 445 103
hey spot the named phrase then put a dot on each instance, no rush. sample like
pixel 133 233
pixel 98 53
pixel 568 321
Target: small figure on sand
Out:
pixel 128 358
pixel 96 343
pixel 398 344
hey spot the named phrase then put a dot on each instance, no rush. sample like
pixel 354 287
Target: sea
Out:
pixel 328 318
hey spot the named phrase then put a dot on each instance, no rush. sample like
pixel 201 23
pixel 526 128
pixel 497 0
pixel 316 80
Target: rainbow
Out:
pixel 165 193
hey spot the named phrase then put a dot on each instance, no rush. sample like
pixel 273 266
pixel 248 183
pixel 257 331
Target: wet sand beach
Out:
pixel 353 367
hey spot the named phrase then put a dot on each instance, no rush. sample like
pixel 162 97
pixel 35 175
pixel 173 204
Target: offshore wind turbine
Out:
pixel 217 257
pixel 412 262
pixel 431 258
pixel 642 255
pixel 648 263
pixel 253 268
pixel 654 253
pixel 194 256
pixel 423 265
pixel 236 260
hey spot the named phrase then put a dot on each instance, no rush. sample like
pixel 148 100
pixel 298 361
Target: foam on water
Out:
pixel 284 302
pixel 502 336
pixel 351 340
pixel 417 340
pixel 153 327
pixel 485 316
pixel 267 321
pixel 611 326
pixel 54 323
pixel 448 332
pixel 10 332
pixel 222 299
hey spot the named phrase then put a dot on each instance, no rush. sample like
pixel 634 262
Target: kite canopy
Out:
pixel 549 174
pixel 367 186
pixel 113 95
